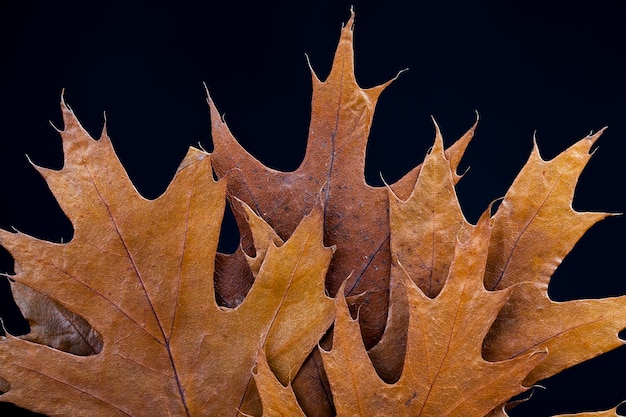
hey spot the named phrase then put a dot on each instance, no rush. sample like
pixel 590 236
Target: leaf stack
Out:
pixel 343 299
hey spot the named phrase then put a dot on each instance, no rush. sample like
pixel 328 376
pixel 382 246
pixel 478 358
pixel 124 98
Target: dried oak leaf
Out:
pixel 444 373
pixel 278 400
pixel 140 272
pixel 356 216
pixel 535 227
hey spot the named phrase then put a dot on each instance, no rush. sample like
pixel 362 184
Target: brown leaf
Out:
pixel 534 228
pixel 312 388
pixel 355 214
pixel 140 272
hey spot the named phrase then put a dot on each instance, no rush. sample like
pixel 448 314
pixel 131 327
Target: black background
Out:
pixel 524 66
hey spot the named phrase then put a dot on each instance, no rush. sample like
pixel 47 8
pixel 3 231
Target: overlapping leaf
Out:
pixel 444 373
pixel 355 214
pixel 608 413
pixel 53 325
pixel 534 228
pixel 140 272
pixel 468 324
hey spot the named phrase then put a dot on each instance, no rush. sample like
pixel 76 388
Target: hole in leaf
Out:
pixel 233 277
pixel 229 233
pixel 12 318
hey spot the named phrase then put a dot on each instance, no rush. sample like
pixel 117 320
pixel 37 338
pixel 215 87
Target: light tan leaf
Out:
pixel 535 227
pixel 53 325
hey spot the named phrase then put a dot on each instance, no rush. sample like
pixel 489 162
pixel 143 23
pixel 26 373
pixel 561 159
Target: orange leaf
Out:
pixel 140 272
pixel 535 225
pixel 534 228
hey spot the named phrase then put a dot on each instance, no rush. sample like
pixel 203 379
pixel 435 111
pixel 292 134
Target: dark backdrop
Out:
pixel 556 70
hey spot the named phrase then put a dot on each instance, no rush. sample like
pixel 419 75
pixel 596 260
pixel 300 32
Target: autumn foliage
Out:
pixel 343 299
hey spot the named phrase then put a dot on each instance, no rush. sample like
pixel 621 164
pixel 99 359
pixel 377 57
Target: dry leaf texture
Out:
pixel 140 272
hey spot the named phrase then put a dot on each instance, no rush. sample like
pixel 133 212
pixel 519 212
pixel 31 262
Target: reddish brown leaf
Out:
pixel 355 214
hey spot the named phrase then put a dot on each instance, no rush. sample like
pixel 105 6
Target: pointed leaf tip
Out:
pixel 350 23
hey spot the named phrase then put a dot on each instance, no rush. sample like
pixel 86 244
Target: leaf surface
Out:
pixel 278 400
pixel 140 272
pixel 535 227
